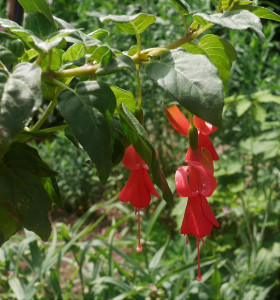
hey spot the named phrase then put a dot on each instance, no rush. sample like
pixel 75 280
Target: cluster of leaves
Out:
pixel 49 59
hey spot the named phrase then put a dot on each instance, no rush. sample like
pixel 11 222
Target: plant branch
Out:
pixel 139 86
pixel 139 58
pixel 45 115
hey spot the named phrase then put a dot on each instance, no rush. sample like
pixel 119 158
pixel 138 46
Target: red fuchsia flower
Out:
pixel 196 181
pixel 198 221
pixel 181 124
pixel 139 186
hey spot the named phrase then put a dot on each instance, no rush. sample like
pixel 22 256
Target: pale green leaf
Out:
pixel 193 81
pixel 220 52
pixel 238 19
pixel 261 12
pixel 131 24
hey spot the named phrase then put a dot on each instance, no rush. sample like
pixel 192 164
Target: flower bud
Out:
pixel 193 138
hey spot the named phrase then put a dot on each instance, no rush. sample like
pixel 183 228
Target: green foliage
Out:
pixel 243 261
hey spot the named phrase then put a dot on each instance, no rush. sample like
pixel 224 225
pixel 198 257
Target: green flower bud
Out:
pixel 193 137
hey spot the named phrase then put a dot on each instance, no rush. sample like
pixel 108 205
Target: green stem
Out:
pixel 40 58
pixel 45 115
pixel 62 85
pixel 90 69
pixel 138 40
pixel 50 60
pixel 190 117
pixel 184 22
pixel 139 87
pixel 53 129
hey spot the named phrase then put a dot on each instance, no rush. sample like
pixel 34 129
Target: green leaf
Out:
pixel 10 49
pixel 193 81
pixel 8 225
pixel 39 25
pixel 77 36
pixel 73 53
pixel 225 3
pixel 22 195
pixel 220 52
pixel 242 106
pixel 125 97
pixel 182 6
pixel 259 113
pixel 261 12
pixel 31 40
pixel 20 95
pixel 238 19
pixel 131 24
pixel 215 284
pixel 140 141
pixel 51 187
pixel 88 110
pixel 56 60
pixel 99 34
pixel 41 6
pixel 110 63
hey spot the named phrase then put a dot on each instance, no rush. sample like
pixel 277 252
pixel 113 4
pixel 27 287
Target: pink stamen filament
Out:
pixel 199 278
pixel 187 239
pixel 139 248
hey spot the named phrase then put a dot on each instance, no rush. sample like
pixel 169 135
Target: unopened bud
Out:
pixel 193 137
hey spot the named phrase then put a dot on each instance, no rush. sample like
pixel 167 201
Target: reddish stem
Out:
pixel 139 248
pixel 199 278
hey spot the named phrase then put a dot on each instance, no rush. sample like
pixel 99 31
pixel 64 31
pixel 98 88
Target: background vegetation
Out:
pixel 92 251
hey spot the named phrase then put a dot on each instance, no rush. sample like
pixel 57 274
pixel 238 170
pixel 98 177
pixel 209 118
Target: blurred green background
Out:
pixel 92 251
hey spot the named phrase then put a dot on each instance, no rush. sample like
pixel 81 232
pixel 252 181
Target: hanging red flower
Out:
pixel 139 186
pixel 181 124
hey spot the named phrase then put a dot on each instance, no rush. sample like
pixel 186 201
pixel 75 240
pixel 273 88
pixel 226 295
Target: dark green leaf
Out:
pixel 193 81
pixel 51 187
pixel 111 63
pixel 10 49
pixel 39 25
pixel 20 94
pixel 131 24
pixel 139 139
pixel 88 110
pixel 220 52
pixel 182 6
pixel 31 40
pixel 261 12
pixel 238 19
pixel 41 6
pixel 8 225
pixel 22 194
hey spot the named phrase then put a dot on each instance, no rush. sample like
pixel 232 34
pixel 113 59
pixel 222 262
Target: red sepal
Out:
pixel 132 160
pixel 138 189
pixel 199 218
pixel 178 121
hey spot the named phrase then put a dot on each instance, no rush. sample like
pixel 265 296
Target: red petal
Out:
pixel 205 142
pixel 132 160
pixel 178 121
pixel 193 155
pixel 203 126
pixel 182 183
pixel 208 212
pixel 195 222
pixel 207 160
pixel 149 185
pixel 201 179
pixel 136 190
